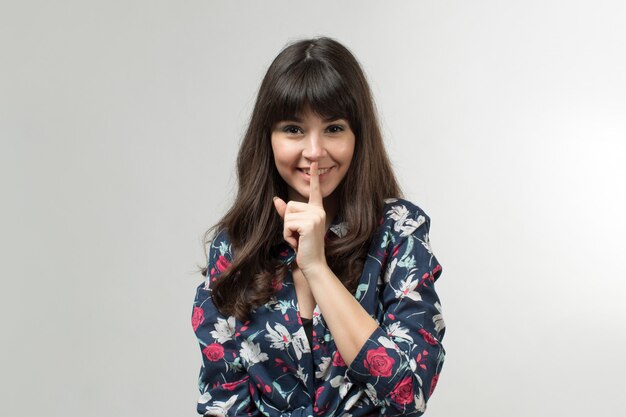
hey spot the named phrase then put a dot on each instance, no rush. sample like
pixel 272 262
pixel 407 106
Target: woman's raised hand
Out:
pixel 304 224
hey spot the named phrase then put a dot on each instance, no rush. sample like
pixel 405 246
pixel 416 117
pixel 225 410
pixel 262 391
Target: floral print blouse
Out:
pixel 266 366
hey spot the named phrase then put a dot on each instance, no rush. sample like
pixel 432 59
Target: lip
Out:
pixel 308 177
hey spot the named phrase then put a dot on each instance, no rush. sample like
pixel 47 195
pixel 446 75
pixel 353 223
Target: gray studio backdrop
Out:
pixel 120 122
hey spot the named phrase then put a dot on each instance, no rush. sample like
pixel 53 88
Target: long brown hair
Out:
pixel 322 75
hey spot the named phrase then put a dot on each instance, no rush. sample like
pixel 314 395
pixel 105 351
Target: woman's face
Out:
pixel 296 143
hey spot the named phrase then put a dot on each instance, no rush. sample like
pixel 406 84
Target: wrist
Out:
pixel 316 270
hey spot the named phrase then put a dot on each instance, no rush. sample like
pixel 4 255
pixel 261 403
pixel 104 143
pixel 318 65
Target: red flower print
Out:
pixel 427 276
pixel 229 386
pixel 378 362
pixel 214 352
pixel 403 392
pixel 197 318
pixel 222 263
pixel 421 358
pixel 276 284
pixel 338 360
pixel 318 392
pixel 433 384
pixel 429 338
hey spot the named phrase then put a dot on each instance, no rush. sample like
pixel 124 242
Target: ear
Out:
pixel 280 206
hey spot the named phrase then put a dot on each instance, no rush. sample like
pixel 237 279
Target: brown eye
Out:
pixel 292 130
pixel 335 128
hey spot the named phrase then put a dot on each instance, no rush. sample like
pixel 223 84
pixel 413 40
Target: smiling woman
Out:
pixel 296 144
pixel 319 295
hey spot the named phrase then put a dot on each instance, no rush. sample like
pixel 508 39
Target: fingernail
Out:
pixel 274 199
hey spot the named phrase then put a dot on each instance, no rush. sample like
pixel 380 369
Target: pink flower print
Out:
pixel 378 362
pixel 214 352
pixel 403 392
pixel 197 318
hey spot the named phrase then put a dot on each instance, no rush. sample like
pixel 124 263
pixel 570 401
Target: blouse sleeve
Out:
pixel 400 362
pixel 223 381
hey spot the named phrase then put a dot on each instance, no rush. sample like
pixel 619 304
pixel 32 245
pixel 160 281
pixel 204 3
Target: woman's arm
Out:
pixel 399 360
pixel 223 381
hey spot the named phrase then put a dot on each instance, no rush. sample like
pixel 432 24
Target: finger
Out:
pixel 291 237
pixel 315 193
pixel 280 206
pixel 293 242
pixel 294 206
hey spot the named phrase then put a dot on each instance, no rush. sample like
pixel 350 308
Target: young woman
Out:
pixel 319 297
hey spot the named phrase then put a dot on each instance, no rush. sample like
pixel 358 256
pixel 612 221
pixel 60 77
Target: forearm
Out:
pixel 349 323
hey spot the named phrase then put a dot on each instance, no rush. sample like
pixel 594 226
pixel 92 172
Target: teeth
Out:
pixel 319 171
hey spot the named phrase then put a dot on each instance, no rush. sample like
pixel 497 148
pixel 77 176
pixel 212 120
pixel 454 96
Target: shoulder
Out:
pixel 219 256
pixel 402 217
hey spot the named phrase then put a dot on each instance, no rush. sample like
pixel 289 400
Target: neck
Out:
pixel 331 211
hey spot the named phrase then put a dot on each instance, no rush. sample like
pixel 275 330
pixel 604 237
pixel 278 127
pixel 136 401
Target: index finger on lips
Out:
pixel 315 192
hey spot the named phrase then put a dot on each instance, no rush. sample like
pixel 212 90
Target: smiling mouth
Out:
pixel 321 171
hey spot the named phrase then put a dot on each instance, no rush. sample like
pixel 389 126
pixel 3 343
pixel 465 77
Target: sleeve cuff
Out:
pixel 379 363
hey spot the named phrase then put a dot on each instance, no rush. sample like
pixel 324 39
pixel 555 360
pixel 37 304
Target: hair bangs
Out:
pixel 314 87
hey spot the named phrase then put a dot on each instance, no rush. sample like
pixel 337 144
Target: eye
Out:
pixel 292 130
pixel 335 128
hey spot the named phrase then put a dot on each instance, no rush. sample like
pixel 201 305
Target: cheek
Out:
pixel 285 160
pixel 348 152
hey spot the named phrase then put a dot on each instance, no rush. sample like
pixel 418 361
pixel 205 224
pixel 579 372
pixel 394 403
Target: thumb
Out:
pixel 280 206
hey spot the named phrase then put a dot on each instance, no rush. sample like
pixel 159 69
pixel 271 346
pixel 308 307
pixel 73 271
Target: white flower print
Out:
pixel 396 330
pixel 281 339
pixel 284 305
pixel 324 367
pixel 300 342
pixel 251 352
pixel 303 377
pixel 224 248
pixel 388 343
pixel 220 408
pixel 404 224
pixel 426 243
pixel 272 302
pixel 438 319
pixel 204 398
pixel 351 401
pixel 420 404
pixel 317 318
pixel 343 383
pixel 370 391
pixel 224 330
pixel 390 270
pixel 341 229
pixel 407 288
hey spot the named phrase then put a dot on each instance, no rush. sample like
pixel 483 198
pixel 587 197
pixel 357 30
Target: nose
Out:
pixel 315 147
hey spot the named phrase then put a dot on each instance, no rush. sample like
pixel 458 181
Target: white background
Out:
pixel 119 126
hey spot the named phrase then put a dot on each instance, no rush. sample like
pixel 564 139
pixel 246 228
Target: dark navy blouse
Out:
pixel 267 366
